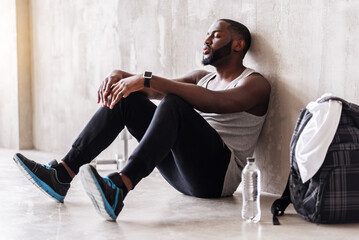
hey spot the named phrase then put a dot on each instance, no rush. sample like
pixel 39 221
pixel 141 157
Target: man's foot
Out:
pixel 43 176
pixel 107 194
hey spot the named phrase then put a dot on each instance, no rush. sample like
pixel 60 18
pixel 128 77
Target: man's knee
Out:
pixel 132 100
pixel 135 97
pixel 173 99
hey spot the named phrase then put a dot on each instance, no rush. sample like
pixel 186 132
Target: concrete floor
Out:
pixel 152 211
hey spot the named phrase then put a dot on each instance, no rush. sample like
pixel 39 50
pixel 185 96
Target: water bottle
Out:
pixel 251 211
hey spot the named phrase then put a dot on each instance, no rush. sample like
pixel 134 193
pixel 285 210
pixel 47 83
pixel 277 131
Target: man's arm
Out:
pixel 191 78
pixel 105 89
pixel 251 94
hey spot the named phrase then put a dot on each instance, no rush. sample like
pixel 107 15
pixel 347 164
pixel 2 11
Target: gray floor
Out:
pixel 153 211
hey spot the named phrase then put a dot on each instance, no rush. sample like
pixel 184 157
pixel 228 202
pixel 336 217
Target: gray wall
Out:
pixel 9 134
pixel 15 75
pixel 304 48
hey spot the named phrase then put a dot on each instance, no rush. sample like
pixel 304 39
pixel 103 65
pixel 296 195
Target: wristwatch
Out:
pixel 147 76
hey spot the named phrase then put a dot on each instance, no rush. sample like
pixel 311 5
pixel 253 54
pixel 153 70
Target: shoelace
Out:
pixel 109 182
pixel 47 166
pixel 50 165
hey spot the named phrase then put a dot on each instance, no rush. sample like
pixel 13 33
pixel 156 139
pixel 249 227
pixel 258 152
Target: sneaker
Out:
pixel 106 193
pixel 43 176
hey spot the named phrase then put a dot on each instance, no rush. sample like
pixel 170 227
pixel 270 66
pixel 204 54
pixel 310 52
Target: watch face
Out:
pixel 147 74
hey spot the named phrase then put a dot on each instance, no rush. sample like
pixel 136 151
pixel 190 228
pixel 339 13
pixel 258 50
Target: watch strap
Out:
pixel 147 76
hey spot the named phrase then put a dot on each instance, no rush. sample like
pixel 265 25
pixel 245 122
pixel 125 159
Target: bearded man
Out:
pixel 198 137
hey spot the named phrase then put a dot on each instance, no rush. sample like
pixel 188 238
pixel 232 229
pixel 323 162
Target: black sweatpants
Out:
pixel 173 137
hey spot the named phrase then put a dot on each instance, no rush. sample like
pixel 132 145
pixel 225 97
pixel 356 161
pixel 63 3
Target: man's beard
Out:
pixel 218 54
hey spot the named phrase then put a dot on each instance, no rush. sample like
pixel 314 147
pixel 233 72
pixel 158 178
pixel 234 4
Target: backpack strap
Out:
pixel 327 98
pixel 279 205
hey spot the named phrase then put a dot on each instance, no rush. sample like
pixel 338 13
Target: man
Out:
pixel 198 137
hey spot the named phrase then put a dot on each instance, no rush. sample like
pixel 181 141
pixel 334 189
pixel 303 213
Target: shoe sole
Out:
pixel 94 191
pixel 37 181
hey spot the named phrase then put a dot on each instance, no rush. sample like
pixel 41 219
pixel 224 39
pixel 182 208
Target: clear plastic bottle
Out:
pixel 251 178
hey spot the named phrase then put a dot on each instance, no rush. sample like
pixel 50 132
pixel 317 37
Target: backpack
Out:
pixel 332 194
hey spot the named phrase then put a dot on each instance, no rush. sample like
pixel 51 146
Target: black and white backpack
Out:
pixel 332 194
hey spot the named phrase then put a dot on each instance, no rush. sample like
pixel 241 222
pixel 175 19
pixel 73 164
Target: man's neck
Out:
pixel 229 72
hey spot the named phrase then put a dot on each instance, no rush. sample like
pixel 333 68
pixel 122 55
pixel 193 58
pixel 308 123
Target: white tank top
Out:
pixel 239 131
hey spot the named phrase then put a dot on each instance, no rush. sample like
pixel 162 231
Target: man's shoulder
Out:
pixel 257 84
pixel 259 78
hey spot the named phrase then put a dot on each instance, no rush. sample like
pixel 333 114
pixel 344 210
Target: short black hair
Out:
pixel 242 30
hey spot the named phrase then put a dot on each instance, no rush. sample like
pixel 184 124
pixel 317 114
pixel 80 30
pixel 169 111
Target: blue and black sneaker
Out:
pixel 43 176
pixel 107 194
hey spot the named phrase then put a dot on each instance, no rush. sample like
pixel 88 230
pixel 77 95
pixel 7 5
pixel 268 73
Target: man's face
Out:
pixel 218 43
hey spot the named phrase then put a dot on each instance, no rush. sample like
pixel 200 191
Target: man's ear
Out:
pixel 238 45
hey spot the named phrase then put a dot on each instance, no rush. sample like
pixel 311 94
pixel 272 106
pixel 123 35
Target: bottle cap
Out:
pixel 251 159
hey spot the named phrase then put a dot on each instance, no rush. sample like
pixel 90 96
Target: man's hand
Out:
pixel 124 87
pixel 107 84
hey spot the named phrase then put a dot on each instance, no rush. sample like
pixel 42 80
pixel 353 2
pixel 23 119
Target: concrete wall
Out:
pixel 9 130
pixel 305 48
pixel 15 71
